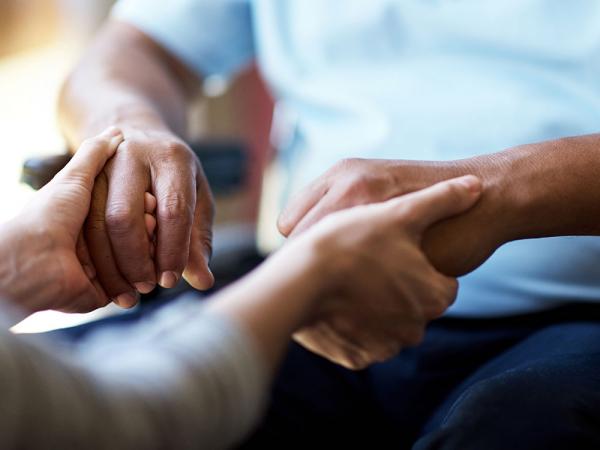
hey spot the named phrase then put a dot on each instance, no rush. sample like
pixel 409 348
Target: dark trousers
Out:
pixel 526 382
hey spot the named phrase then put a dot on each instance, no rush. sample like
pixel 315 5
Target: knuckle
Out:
pixel 76 182
pixel 359 186
pixel 452 191
pixel 120 217
pixel 175 151
pixel 173 146
pixel 173 208
pixel 128 147
pixel 172 259
pixel 345 164
pixel 405 213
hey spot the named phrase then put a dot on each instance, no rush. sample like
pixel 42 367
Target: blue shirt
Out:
pixel 415 79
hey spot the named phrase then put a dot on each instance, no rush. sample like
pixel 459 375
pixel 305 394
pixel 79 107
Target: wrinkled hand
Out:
pixel 44 255
pixel 380 289
pixel 115 231
pixel 455 246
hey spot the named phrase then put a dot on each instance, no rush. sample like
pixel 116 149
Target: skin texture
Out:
pixel 317 285
pixel 539 190
pixel 47 266
pixel 533 190
pixel 456 246
pixel 46 263
pixel 144 91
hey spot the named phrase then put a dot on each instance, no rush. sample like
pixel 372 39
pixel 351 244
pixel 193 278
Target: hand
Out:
pixel 154 162
pixel 379 290
pixel 455 246
pixel 45 262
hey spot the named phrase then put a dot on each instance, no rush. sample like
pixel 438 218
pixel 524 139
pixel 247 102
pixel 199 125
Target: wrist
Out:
pixel 496 210
pixel 500 206
pixel 131 119
pixel 299 269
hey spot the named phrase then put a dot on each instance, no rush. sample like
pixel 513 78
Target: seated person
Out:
pixel 406 93
pixel 196 374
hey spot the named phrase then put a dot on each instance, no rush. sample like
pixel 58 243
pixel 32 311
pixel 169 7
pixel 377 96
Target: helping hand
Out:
pixel 46 261
pixel 380 290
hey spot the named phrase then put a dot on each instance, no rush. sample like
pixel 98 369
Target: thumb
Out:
pixel 440 201
pixel 91 157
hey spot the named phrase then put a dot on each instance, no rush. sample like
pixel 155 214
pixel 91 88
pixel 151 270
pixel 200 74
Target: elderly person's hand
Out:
pixel 455 246
pixel 380 290
pixel 45 263
pixel 159 162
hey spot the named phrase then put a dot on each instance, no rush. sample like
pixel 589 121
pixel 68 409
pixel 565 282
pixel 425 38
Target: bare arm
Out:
pixel 125 79
pixel 538 190
pixel 197 374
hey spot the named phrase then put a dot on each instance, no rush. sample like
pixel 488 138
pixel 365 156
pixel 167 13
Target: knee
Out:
pixel 537 407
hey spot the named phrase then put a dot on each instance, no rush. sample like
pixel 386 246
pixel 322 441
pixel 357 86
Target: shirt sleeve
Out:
pixel 183 379
pixel 213 37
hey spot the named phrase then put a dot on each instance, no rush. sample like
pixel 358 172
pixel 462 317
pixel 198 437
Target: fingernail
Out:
pixel 471 182
pixel 89 271
pixel 144 287
pixel 168 279
pixel 127 300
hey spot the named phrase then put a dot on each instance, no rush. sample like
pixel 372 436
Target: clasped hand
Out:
pixel 377 289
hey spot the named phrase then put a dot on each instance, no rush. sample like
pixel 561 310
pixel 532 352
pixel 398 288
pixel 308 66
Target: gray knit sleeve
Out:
pixel 181 379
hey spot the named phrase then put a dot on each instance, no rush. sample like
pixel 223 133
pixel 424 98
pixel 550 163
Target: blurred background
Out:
pixel 40 41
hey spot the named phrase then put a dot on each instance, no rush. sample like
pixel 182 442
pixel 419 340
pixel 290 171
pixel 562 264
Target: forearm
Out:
pixel 553 188
pixel 275 300
pixel 193 375
pixel 184 379
pixel 127 80
pixel 537 190
pixel 544 189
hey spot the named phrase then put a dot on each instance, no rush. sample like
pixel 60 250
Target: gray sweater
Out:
pixel 179 379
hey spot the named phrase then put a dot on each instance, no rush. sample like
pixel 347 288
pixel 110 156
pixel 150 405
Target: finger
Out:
pixel 176 203
pixel 150 223
pixel 100 250
pixel 86 301
pixel 125 221
pixel 85 293
pixel 443 292
pixel 328 204
pixel 322 340
pixel 84 257
pixel 90 299
pixel 300 205
pixel 197 272
pixel 149 203
pixel 437 202
pixel 91 157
